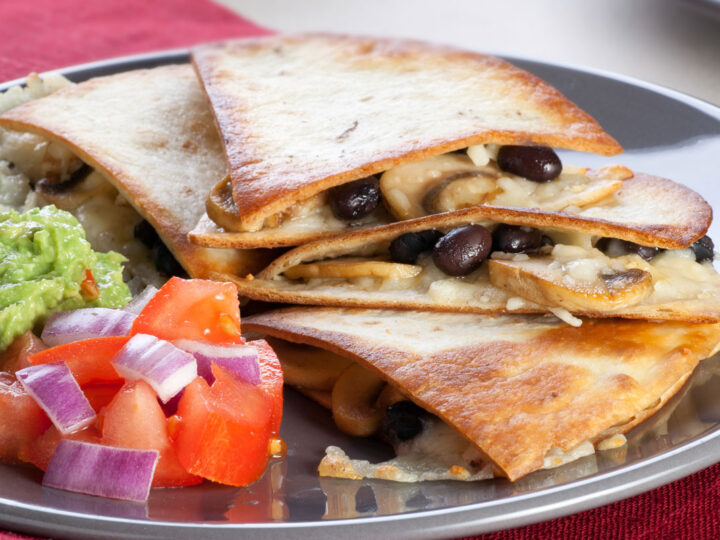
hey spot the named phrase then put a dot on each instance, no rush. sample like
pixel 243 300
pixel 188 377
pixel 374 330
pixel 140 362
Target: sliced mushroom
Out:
pixel 544 282
pixel 353 267
pixel 460 190
pixel 353 401
pixel 221 208
pixel 81 186
pixel 404 188
pixel 309 367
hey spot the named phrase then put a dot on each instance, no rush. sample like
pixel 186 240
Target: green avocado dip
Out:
pixel 43 261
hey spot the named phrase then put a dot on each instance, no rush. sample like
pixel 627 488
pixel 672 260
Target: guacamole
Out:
pixel 43 261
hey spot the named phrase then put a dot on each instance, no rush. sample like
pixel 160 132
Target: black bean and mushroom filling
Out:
pixel 358 199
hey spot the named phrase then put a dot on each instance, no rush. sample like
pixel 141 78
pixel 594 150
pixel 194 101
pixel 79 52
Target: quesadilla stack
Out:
pixel 150 134
pixel 326 134
pixel 417 183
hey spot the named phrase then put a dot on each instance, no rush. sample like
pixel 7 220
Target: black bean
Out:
pixel 704 249
pixel 407 247
pixel 166 263
pixel 403 421
pixel 462 250
pixel 536 163
pixel 145 232
pixel 614 247
pixel 355 199
pixel 516 238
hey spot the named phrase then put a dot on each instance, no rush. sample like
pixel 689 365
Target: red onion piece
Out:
pixel 159 363
pixel 68 326
pixel 242 360
pixel 57 392
pixel 137 304
pixel 106 471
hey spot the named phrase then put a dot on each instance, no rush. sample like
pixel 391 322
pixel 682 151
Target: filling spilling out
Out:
pixel 520 267
pixel 523 176
pixel 36 172
pixel 363 405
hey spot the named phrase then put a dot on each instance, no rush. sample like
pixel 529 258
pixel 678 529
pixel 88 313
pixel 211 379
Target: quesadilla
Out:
pixel 150 134
pixel 626 258
pixel 522 392
pixel 308 121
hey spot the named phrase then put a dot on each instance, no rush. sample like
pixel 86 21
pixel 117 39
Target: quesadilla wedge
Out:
pixel 151 135
pixel 627 258
pixel 522 392
pixel 301 115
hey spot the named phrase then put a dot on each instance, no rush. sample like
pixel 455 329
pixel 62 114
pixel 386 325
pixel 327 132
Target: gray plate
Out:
pixel 664 133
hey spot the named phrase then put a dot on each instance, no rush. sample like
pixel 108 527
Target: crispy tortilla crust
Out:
pixel 285 142
pixel 648 210
pixel 533 384
pixel 151 133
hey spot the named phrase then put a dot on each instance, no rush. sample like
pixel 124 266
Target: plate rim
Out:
pixel 556 501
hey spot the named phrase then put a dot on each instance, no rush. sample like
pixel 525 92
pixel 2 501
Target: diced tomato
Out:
pixel 88 287
pixel 100 394
pixel 21 419
pixel 134 419
pixel 192 309
pixel 15 357
pixel 271 381
pixel 39 451
pixel 88 360
pixel 224 430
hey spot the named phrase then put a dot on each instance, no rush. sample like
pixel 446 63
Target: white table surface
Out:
pixel 666 42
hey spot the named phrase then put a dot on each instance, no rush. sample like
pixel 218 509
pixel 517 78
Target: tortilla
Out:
pixel 647 210
pixel 151 134
pixel 301 114
pixel 514 386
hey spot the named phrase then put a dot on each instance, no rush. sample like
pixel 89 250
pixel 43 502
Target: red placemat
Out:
pixel 39 35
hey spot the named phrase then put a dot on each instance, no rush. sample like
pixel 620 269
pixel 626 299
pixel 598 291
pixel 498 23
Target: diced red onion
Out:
pixel 242 360
pixel 159 363
pixel 106 471
pixel 140 301
pixel 57 392
pixel 68 326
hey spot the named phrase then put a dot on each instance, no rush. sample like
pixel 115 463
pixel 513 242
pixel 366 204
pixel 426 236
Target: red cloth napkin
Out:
pixel 39 35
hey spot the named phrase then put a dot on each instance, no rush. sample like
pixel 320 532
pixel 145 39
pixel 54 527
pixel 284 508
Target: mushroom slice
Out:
pixel 309 367
pixel 353 267
pixel 460 190
pixel 550 283
pixel 221 208
pixel 404 188
pixel 353 401
pixel 81 186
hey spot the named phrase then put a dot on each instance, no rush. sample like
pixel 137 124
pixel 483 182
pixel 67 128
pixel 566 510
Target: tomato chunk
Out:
pixel 15 357
pixel 40 450
pixel 101 394
pixel 192 309
pixel 134 419
pixel 223 431
pixel 21 419
pixel 271 381
pixel 88 360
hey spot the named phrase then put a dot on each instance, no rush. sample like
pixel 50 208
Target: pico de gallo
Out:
pixel 162 393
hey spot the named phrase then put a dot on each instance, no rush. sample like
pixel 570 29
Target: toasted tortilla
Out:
pixel 514 386
pixel 642 202
pixel 301 114
pixel 321 223
pixel 151 134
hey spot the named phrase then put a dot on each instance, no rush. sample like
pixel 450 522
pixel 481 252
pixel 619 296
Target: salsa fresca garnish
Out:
pixel 162 393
